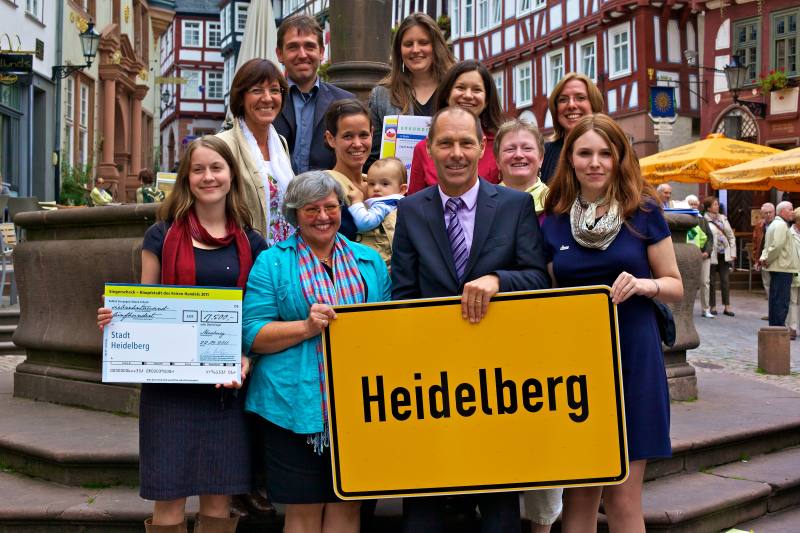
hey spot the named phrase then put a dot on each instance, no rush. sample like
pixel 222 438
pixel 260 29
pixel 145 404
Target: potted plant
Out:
pixel 774 81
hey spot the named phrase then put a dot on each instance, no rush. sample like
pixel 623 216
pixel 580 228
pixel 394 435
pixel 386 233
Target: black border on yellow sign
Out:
pixel 456 300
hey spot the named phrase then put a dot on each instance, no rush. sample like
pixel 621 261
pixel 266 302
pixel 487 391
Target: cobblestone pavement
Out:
pixel 730 344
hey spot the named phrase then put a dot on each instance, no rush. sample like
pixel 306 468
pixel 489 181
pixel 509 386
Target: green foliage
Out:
pixel 75 184
pixel 322 71
pixel 775 80
pixel 444 24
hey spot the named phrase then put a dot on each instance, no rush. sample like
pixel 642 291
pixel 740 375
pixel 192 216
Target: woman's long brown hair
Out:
pixel 626 186
pixel 181 199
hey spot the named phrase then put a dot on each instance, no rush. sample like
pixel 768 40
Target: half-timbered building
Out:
pixel 193 86
pixel 625 46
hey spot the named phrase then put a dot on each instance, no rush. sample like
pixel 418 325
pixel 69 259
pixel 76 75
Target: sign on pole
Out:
pixel 529 398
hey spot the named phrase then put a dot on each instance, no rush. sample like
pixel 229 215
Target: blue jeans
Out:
pixel 780 286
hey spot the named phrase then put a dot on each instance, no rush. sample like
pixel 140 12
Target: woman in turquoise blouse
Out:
pixel 288 303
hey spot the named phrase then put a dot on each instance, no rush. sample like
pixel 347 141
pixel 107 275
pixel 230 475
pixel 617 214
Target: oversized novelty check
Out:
pixel 169 334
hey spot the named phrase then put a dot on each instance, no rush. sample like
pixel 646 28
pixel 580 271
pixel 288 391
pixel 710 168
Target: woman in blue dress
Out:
pixel 603 226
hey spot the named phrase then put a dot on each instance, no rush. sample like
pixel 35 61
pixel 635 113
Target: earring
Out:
pixel 539 173
pixel 403 66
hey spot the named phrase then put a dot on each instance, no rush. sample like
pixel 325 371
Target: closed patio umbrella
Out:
pixel 694 162
pixel 781 170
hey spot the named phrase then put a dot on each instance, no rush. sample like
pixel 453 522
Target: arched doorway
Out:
pixel 738 123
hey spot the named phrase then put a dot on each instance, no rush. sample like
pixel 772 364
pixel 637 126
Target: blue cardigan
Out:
pixel 284 386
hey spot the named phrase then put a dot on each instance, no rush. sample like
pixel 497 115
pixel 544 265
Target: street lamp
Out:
pixel 90 39
pixel 736 74
pixel 167 100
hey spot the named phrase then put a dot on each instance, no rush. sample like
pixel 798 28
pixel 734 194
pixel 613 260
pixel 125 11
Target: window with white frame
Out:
pixel 555 68
pixel 191 89
pixel 469 16
pixel 83 126
pixel 619 41
pixel 523 95
pixel 168 38
pixel 291 5
pixel 69 104
pixel 525 6
pixel 214 86
pixel 490 13
pixel 241 16
pixel 192 34
pixel 35 8
pixel 483 15
pixel 587 58
pixel 224 18
pixel 213 34
pixel 230 66
pixel 69 110
pixel 498 83
pixel 455 28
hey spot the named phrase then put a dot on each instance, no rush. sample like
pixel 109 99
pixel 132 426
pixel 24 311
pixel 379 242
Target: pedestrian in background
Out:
pixel 664 191
pixel 767 216
pixel 780 257
pixel 722 256
pixel 148 193
pixel 794 301
pixel 703 239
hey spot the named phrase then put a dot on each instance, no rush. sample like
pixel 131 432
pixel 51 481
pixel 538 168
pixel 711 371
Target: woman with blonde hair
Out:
pixel 518 149
pixel 573 97
pixel 193 439
pixel 604 227
pixel 419 60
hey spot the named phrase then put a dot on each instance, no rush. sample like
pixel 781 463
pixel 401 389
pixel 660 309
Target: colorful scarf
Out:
pixel 177 254
pixel 347 287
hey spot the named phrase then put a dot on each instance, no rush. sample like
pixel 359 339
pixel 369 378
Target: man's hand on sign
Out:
pixel 319 316
pixel 476 296
pixel 236 384
pixel 626 285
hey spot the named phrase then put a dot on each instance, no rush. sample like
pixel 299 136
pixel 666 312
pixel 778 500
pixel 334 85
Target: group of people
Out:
pixel 280 205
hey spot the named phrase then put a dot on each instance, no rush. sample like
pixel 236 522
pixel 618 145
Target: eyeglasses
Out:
pixel 315 211
pixel 259 91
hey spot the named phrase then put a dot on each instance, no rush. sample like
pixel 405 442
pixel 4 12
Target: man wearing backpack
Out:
pixel 148 193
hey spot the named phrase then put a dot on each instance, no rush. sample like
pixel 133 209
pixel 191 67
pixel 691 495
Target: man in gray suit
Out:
pixel 468 237
pixel 300 50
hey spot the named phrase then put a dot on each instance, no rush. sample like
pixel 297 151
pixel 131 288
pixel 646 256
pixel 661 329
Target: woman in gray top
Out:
pixel 419 60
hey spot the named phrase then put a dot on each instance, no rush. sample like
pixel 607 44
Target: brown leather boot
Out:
pixel 210 524
pixel 175 528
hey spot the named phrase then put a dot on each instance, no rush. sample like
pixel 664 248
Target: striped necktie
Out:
pixel 455 232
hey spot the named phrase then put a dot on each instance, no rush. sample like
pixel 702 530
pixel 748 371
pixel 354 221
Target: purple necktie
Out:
pixel 458 244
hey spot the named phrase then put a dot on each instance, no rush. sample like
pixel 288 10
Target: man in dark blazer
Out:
pixel 300 50
pixel 504 252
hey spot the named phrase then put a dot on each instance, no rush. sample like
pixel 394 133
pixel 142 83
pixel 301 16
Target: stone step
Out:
pixel 9 348
pixel 787 521
pixel 9 316
pixel 720 498
pixel 7 331
pixel 34 505
pixel 68 445
pixel 734 417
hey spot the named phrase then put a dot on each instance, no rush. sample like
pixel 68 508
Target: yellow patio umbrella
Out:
pixel 692 163
pixel 781 170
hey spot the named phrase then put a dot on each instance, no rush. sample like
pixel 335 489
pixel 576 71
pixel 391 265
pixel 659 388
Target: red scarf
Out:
pixel 177 254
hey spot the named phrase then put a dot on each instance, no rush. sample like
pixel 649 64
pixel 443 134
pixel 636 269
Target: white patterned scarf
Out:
pixel 588 230
pixel 282 171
